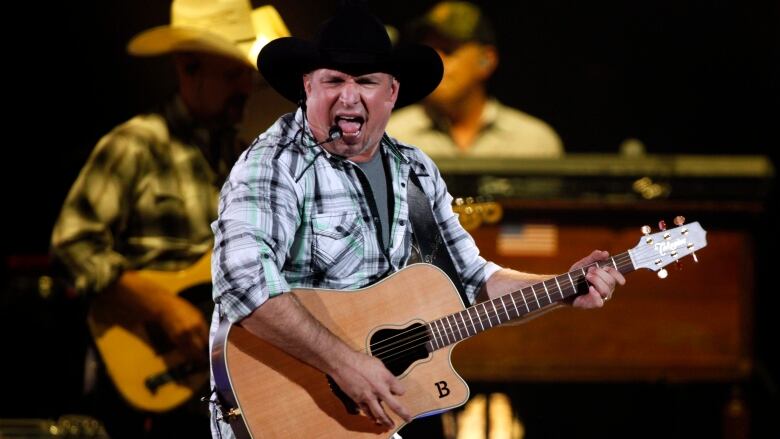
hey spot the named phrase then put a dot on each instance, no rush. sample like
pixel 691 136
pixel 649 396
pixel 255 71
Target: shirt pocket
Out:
pixel 338 244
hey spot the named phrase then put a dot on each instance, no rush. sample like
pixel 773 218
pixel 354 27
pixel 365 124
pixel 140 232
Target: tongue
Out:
pixel 349 127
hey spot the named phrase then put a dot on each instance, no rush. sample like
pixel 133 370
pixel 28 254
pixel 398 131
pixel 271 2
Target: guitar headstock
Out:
pixel 472 213
pixel 657 250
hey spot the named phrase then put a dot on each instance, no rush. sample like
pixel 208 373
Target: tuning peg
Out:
pixel 459 201
pixel 679 220
pixel 693 253
pixel 646 231
pixel 662 273
pixel 491 211
pixel 662 227
pixel 678 264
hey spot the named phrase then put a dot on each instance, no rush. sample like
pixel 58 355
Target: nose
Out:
pixel 349 94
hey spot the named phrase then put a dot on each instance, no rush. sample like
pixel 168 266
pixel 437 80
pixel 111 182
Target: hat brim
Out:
pixel 163 40
pixel 284 61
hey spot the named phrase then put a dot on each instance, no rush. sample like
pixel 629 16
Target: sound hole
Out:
pixel 399 348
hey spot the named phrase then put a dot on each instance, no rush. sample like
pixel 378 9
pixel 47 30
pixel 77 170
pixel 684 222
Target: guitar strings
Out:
pixel 387 351
pixel 487 314
pixel 422 337
pixel 396 354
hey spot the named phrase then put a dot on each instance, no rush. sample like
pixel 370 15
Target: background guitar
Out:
pixel 146 370
pixel 474 212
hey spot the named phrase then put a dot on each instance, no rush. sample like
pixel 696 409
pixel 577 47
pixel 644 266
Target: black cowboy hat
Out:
pixel 354 42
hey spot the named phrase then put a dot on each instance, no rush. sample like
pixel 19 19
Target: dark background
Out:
pixel 683 76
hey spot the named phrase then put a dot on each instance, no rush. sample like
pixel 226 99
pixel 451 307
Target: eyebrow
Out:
pixel 371 76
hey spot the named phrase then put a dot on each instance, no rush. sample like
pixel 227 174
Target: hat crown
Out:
pixel 229 28
pixel 460 21
pixel 354 30
pixel 229 19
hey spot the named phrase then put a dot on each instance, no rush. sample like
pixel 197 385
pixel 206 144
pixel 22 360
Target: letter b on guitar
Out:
pixel 441 386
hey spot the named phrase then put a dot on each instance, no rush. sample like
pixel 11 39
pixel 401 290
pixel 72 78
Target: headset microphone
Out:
pixel 334 134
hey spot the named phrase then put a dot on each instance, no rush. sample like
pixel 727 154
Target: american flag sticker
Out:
pixel 527 240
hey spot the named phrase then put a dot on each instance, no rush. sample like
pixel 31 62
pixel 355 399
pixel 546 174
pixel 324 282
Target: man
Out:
pixel 147 195
pixel 460 119
pixel 321 200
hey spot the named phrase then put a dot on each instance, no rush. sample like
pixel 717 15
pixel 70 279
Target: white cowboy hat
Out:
pixel 222 27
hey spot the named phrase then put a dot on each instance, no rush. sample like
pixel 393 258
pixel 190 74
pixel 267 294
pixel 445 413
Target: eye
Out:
pixel 333 80
pixel 367 81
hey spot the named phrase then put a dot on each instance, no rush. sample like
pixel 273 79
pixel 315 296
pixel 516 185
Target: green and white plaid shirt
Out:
pixel 291 215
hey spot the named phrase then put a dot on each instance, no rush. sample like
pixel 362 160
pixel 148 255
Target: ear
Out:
pixel 306 91
pixel 395 87
pixel 307 84
pixel 488 61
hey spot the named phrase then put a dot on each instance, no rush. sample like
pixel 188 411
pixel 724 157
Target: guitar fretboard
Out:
pixel 490 313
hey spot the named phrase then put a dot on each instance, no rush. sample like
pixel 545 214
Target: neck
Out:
pixel 515 305
pixel 465 117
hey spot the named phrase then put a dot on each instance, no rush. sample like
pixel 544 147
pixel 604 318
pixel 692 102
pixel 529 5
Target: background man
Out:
pixel 146 196
pixel 460 119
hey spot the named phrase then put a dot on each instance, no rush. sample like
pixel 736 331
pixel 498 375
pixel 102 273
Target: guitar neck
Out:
pixel 515 305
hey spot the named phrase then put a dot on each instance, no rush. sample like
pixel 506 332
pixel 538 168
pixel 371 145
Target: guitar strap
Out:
pixel 433 249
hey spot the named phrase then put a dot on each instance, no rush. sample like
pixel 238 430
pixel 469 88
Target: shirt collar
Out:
pixel 182 125
pixel 488 117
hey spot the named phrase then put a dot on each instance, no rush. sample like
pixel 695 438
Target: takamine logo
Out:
pixel 666 247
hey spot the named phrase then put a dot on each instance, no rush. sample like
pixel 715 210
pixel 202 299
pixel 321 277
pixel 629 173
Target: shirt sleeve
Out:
pixel 95 210
pixel 473 269
pixel 257 222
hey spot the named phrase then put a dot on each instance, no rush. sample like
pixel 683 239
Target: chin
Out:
pixel 350 149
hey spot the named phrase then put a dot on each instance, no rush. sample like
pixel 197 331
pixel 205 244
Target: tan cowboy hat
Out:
pixel 222 27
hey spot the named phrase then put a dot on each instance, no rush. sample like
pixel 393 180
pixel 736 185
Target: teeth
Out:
pixel 350 118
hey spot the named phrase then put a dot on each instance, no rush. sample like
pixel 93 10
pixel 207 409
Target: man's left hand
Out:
pixel 602 281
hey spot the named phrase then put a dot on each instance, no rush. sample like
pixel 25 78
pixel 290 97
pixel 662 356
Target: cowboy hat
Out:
pixel 222 27
pixel 354 42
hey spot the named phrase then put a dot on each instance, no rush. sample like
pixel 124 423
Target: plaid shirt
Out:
pixel 291 215
pixel 144 199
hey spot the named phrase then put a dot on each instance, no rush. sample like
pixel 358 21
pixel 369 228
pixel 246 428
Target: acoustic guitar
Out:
pixel 411 321
pixel 141 362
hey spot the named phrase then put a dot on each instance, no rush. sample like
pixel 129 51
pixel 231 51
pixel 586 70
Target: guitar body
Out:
pixel 279 396
pixel 137 357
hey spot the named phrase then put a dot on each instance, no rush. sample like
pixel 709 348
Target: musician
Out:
pixel 459 118
pixel 148 193
pixel 321 200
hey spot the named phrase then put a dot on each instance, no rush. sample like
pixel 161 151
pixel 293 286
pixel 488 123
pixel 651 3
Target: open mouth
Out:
pixel 350 125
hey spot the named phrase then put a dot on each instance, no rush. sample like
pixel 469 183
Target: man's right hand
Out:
pixel 285 323
pixel 181 322
pixel 367 381
pixel 184 326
